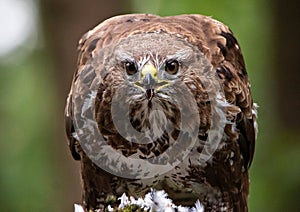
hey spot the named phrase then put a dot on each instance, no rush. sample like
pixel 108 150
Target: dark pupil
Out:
pixel 130 68
pixel 172 66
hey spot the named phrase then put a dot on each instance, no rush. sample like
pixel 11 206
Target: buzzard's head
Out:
pixel 155 77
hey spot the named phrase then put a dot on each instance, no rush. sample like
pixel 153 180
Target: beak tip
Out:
pixel 150 94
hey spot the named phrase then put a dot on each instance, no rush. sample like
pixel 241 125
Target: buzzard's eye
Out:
pixel 172 67
pixel 130 68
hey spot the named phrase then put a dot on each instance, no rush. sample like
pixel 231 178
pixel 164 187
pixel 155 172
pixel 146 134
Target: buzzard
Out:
pixel 162 103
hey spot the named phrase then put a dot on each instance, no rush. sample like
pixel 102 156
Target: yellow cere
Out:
pixel 149 68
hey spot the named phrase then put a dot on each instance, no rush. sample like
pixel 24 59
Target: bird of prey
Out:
pixel 162 103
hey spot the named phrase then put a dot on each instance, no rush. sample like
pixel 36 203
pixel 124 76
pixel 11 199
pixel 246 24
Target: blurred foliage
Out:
pixel 30 175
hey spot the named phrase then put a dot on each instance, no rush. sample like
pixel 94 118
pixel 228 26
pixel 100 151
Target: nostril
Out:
pixel 149 94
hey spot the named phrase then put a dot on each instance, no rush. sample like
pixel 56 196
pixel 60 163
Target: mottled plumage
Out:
pixel 167 80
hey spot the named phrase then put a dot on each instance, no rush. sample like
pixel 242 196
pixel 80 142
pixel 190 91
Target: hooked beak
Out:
pixel 149 81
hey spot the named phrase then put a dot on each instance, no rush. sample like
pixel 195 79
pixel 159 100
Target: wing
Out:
pixel 226 56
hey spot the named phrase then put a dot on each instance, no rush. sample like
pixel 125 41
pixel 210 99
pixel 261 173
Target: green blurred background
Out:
pixel 38 56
